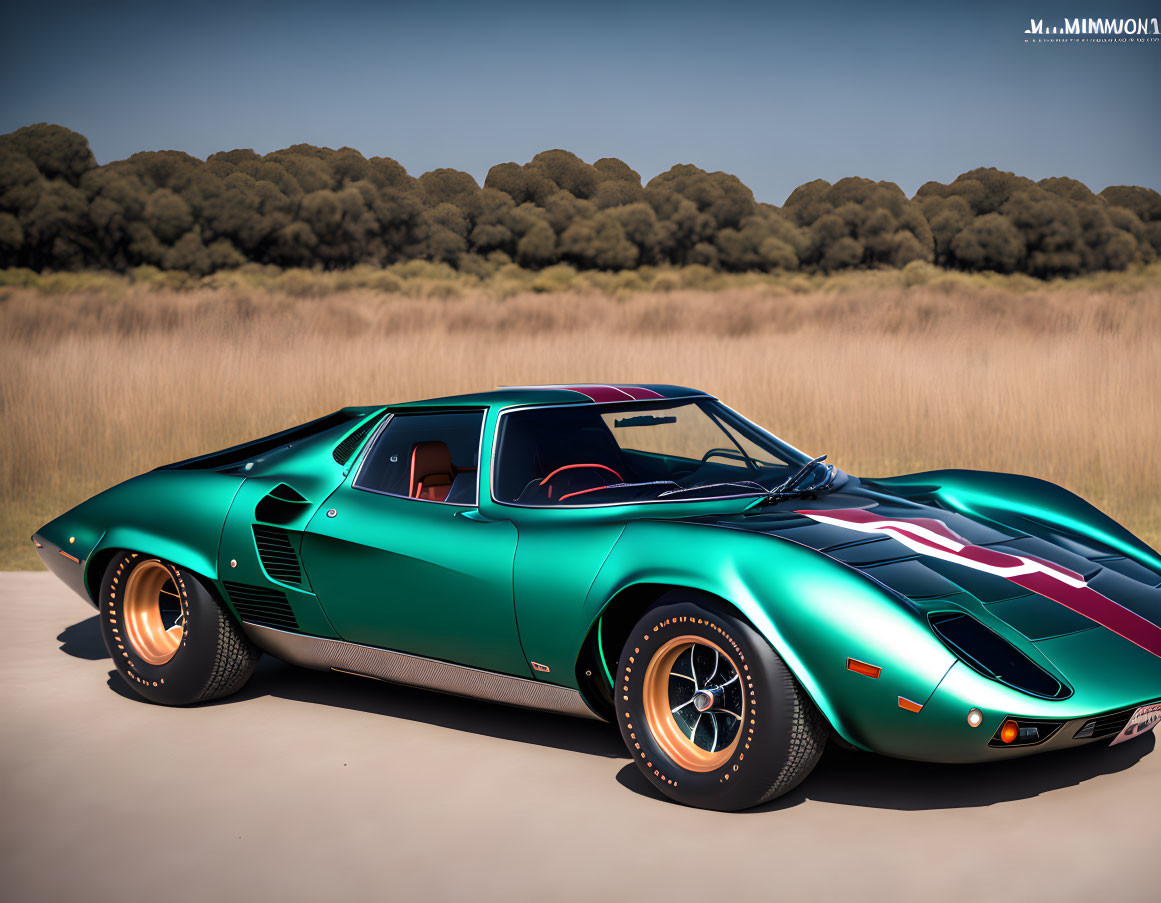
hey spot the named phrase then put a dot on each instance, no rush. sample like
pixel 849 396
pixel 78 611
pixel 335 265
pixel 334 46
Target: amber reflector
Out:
pixel 905 703
pixel 853 664
pixel 1010 731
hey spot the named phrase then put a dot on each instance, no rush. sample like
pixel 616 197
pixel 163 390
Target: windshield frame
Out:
pixel 800 457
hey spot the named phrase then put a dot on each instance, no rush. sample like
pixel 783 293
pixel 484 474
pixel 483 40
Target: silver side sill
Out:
pixel 325 654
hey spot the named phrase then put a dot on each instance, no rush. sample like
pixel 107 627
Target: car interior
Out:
pixel 572 456
pixel 566 452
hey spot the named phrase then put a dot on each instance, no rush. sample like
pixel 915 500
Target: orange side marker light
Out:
pixel 909 705
pixel 1010 731
pixel 853 664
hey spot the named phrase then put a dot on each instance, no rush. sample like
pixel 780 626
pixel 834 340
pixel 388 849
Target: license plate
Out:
pixel 1144 720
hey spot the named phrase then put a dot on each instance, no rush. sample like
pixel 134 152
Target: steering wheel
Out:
pixel 579 466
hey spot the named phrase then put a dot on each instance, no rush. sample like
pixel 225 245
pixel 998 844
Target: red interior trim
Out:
pixel 412 486
pixel 569 495
pixel 571 466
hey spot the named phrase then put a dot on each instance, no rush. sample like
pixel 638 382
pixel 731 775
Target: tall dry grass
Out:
pixel 1062 382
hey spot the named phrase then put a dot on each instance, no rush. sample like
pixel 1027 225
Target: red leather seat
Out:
pixel 432 471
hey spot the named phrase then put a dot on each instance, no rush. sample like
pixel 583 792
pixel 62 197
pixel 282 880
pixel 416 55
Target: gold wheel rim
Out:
pixel 659 713
pixel 149 587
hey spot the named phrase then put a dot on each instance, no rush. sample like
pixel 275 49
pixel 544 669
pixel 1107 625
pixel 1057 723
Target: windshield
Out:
pixel 622 453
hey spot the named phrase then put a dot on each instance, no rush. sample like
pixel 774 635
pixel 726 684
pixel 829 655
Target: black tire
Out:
pixel 779 736
pixel 213 657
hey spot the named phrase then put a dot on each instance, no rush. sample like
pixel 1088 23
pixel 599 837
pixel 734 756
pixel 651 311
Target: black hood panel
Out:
pixel 935 583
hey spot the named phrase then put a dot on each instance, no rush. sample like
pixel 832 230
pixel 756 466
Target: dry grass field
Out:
pixel 888 372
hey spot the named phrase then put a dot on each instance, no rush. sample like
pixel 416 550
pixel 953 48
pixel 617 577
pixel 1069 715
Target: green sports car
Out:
pixel 640 554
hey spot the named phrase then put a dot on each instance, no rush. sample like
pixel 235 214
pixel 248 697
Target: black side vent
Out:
pixel 281 505
pixel 277 554
pixel 346 448
pixel 258 605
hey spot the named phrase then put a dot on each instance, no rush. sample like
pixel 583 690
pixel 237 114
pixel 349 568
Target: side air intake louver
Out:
pixel 258 605
pixel 346 448
pixel 277 554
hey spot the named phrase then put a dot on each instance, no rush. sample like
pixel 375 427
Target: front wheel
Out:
pixel 170 639
pixel 708 710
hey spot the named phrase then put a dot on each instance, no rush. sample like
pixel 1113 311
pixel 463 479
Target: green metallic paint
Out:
pixel 427 578
pixel 416 576
pixel 555 565
pixel 172 514
pixel 238 559
pixel 314 474
pixel 494 586
pixel 813 611
pixel 996 497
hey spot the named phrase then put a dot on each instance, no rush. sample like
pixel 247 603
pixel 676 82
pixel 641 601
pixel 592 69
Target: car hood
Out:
pixel 1043 587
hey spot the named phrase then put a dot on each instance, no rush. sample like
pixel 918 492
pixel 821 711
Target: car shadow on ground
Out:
pixel 842 776
pixel 83 640
pixel 282 681
pixel 853 778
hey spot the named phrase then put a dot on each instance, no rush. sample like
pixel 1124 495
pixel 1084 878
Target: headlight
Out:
pixel 994 657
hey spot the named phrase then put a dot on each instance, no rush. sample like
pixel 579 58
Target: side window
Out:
pixel 433 457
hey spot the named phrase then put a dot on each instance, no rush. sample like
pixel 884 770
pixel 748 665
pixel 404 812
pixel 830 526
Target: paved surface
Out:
pixel 319 786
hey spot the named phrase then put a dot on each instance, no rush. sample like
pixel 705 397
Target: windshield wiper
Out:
pixel 745 484
pixel 785 489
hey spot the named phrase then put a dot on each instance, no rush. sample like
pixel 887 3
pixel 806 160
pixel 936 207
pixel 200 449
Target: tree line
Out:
pixel 308 206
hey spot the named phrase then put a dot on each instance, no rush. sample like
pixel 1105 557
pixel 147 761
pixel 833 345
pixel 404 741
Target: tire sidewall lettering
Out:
pixel 658 633
pixel 180 679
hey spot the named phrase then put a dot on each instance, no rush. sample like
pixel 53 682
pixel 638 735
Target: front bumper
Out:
pixel 940 732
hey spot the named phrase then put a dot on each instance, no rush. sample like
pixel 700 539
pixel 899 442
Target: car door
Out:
pixel 400 556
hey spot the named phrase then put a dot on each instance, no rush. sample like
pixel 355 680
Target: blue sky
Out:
pixel 777 94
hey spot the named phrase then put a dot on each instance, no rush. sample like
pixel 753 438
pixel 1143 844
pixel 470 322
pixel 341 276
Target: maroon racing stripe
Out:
pixel 640 393
pixel 601 393
pixel 1045 578
pixel 1085 600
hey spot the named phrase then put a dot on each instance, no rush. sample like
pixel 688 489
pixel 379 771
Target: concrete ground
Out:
pixel 323 786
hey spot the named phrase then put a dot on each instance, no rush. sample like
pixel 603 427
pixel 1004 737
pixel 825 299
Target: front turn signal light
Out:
pixel 1024 732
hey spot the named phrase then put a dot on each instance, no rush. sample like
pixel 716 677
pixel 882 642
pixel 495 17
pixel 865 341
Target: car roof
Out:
pixel 572 393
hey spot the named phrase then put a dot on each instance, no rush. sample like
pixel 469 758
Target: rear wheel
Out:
pixel 710 713
pixel 171 640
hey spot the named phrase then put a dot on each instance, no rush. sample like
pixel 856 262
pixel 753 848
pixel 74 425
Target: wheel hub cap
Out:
pixel 153 614
pixel 694 704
